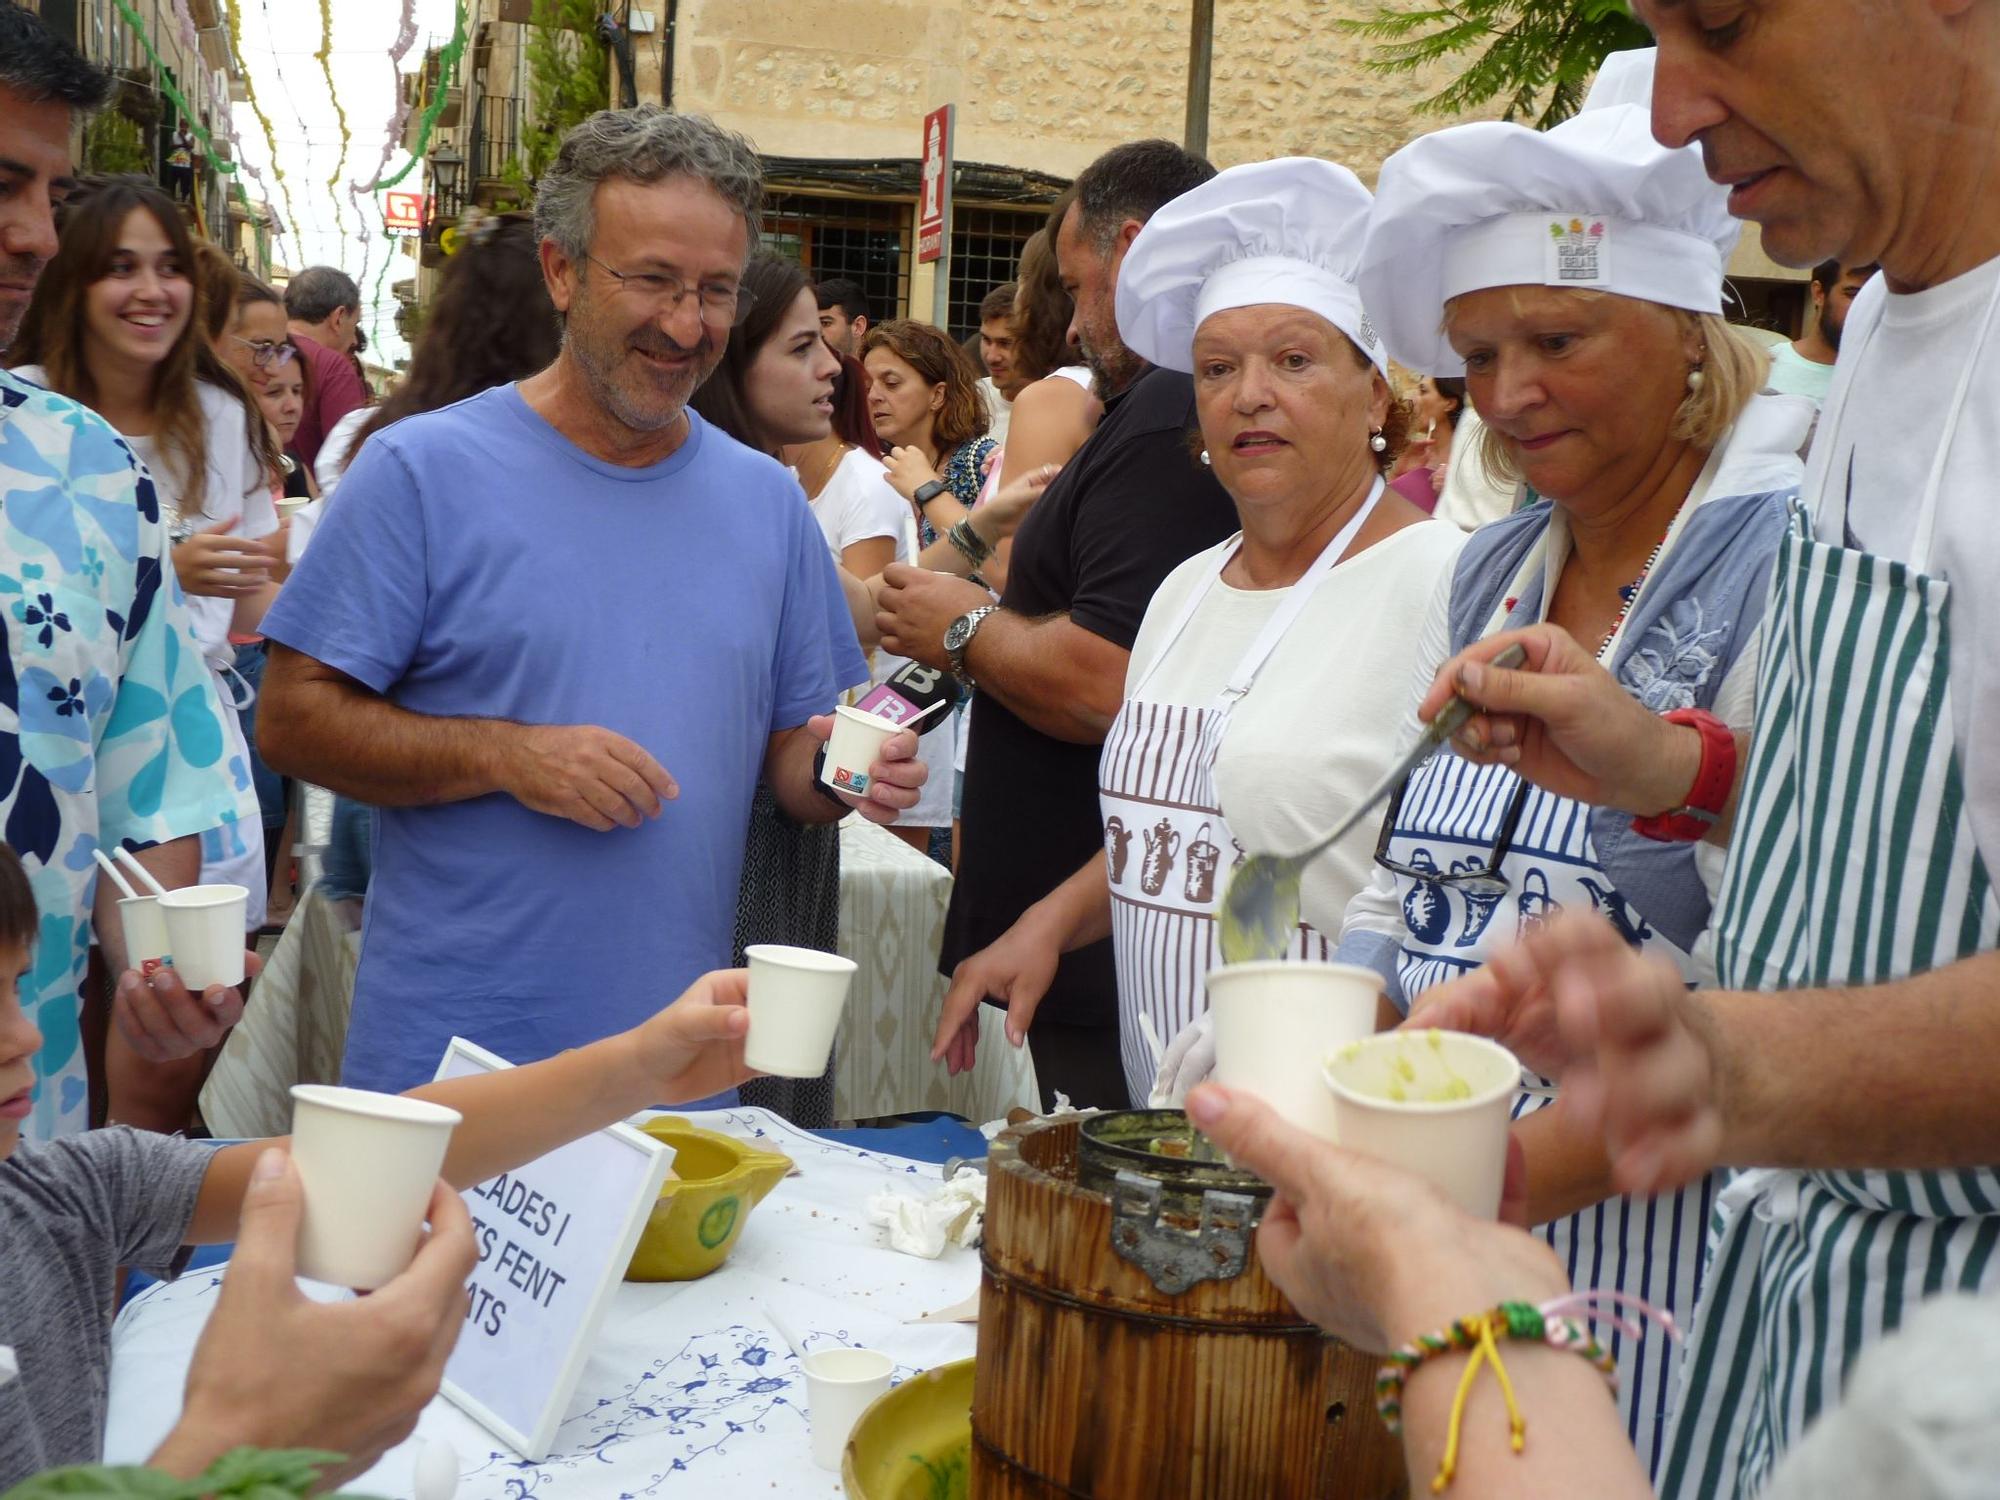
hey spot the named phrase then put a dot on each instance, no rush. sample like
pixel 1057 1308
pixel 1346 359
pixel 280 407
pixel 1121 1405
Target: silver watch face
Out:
pixel 958 633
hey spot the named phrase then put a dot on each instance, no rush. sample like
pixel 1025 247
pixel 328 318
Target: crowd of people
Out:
pixel 1241 478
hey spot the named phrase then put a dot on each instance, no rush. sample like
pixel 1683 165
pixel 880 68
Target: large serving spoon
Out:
pixel 1258 917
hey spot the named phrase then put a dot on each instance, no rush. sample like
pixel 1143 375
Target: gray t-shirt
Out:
pixel 71 1213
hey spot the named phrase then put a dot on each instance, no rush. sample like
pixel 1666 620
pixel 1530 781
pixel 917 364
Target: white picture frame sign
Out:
pixel 554 1238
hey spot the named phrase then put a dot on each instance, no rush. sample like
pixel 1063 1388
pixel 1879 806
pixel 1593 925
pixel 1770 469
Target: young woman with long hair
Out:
pixel 774 391
pixel 117 324
pixel 924 397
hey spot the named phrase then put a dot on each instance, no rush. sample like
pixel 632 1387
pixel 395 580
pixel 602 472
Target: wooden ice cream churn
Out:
pixel 1131 1347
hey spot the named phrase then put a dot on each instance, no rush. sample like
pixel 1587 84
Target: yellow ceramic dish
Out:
pixel 915 1442
pixel 716 1181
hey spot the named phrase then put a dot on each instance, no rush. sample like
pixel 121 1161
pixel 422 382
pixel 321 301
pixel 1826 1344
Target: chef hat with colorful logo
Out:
pixel 1287 232
pixel 1595 203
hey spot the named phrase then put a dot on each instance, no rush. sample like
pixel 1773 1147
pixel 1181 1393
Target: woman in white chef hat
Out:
pixel 1269 671
pixel 1575 278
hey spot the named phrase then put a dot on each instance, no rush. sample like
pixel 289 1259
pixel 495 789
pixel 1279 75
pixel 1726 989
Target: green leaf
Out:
pixel 1534 57
pixel 240 1474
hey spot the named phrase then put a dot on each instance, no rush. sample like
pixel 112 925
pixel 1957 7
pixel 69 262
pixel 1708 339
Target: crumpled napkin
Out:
pixel 1063 1107
pixel 951 1215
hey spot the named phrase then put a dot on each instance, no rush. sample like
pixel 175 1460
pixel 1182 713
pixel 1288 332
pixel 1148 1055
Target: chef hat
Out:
pixel 1624 78
pixel 1594 203
pixel 1287 231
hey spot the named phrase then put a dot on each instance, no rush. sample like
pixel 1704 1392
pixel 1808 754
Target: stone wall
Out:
pixel 1042 84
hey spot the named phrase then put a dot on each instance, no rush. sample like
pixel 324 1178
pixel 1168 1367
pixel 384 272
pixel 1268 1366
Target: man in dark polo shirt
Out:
pixel 1049 661
pixel 323 313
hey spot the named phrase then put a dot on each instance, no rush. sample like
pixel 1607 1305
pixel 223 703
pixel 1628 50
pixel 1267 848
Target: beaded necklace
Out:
pixel 1630 592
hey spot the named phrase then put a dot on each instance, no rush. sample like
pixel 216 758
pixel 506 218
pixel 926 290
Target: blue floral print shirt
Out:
pixel 110 728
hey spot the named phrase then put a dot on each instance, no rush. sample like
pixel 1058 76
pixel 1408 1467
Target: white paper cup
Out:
pixel 290 507
pixel 147 945
pixel 857 740
pixel 1459 1143
pixel 367 1162
pixel 1276 1023
pixel 796 997
pixel 840 1385
pixel 205 933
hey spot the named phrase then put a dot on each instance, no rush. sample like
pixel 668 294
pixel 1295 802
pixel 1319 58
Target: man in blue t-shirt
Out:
pixel 558 631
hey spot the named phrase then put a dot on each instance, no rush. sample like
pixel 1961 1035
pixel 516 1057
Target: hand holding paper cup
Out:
pixel 1275 1025
pixel 1436 1103
pixel 205 928
pixel 367 1163
pixel 796 999
pixel 852 750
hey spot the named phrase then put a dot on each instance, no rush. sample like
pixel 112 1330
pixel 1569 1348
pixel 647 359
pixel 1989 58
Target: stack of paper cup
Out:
pixel 147 945
pixel 840 1386
pixel 1275 1025
pixel 205 933
pixel 857 740
pixel 1436 1103
pixel 367 1163
pixel 796 998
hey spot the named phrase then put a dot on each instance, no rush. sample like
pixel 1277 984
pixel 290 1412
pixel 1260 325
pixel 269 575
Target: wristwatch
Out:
pixel 928 491
pixel 1690 822
pixel 958 636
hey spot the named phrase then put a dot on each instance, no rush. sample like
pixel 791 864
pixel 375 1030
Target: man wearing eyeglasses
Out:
pixel 557 632
pixel 323 314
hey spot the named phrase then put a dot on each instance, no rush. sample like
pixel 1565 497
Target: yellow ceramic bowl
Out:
pixel 915 1442
pixel 716 1181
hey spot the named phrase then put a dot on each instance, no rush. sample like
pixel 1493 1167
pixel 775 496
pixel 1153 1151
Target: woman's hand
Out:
pixel 694 1048
pixel 996 520
pixel 1372 1254
pixel 1018 967
pixel 1566 724
pixel 216 565
pixel 910 469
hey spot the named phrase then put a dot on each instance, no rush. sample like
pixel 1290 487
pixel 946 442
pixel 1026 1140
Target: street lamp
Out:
pixel 446 166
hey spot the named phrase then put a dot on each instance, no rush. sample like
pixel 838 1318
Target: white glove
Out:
pixel 1189 1060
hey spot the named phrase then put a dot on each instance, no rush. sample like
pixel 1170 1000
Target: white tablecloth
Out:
pixel 892 907
pixel 690 1393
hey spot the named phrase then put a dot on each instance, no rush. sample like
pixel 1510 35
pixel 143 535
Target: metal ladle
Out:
pixel 1259 912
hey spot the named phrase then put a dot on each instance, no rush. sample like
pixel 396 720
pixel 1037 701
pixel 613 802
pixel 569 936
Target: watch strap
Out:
pixel 928 491
pixel 1713 780
pixel 955 651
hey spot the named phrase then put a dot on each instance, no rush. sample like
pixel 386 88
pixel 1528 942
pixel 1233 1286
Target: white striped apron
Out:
pixel 1450 820
pixel 1853 863
pixel 1165 838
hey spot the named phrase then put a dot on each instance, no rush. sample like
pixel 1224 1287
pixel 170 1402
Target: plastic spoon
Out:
pixel 1259 911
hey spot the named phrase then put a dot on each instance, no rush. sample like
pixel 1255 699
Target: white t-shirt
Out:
pixel 858 504
pixel 336 449
pixel 1792 374
pixel 999 410
pixel 237 490
pixel 1314 732
pixel 1902 357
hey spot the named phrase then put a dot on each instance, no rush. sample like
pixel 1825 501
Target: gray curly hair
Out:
pixel 642 145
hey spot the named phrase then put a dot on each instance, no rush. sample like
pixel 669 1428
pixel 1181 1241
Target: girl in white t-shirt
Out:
pixel 116 324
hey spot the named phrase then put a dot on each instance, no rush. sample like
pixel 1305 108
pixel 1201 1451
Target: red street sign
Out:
pixel 405 211
pixel 935 200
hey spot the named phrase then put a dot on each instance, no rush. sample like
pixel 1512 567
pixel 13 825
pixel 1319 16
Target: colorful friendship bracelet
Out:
pixel 1559 1324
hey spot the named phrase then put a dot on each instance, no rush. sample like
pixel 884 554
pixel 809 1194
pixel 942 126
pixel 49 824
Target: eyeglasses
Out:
pixel 1483 879
pixel 265 353
pixel 721 306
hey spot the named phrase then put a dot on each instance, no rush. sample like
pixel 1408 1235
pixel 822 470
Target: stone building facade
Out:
pixel 834 93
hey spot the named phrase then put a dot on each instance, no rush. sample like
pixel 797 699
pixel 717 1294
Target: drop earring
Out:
pixel 1695 378
pixel 1377 442
pixel 1204 458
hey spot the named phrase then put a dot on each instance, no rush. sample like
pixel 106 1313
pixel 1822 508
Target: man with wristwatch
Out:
pixel 1048 661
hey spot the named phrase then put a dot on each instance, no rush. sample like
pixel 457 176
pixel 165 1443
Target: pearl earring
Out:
pixel 1377 442
pixel 1204 458
pixel 1695 378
